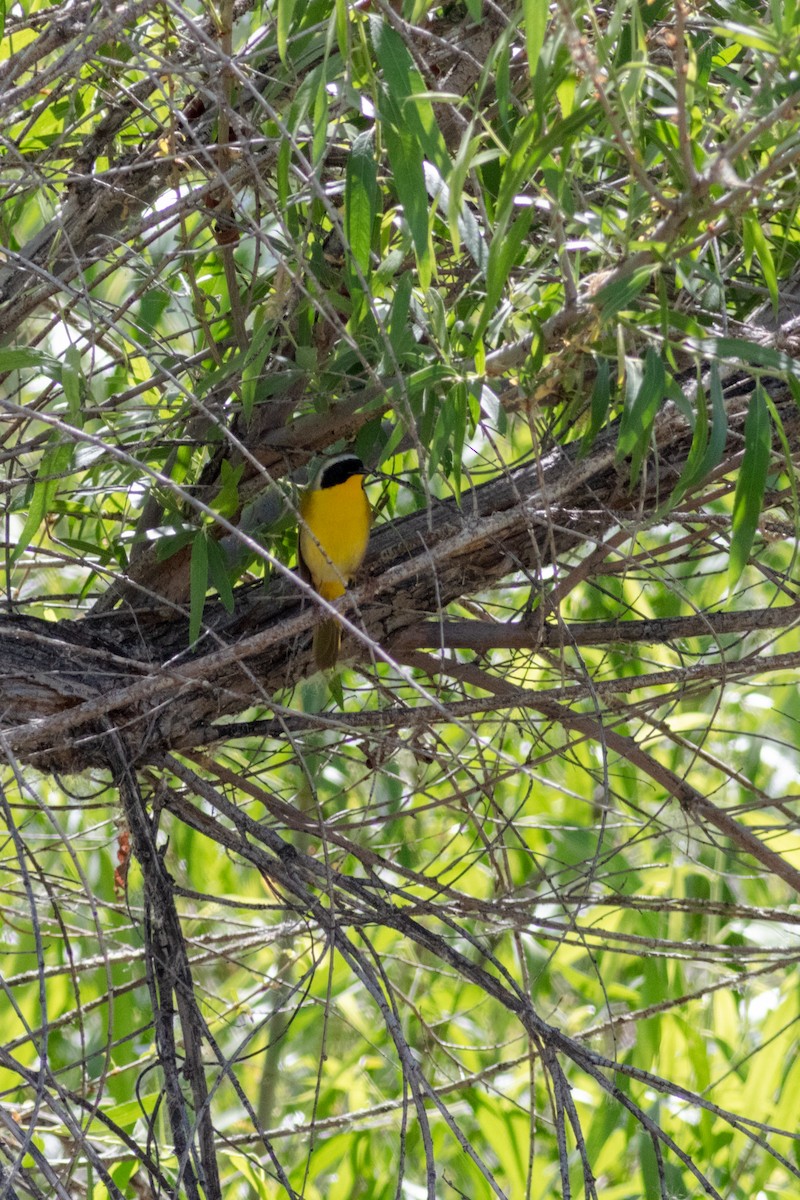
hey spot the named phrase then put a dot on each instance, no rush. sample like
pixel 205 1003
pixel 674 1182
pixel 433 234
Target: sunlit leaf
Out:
pixel 537 14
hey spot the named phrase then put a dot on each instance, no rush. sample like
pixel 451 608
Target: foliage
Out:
pixel 507 907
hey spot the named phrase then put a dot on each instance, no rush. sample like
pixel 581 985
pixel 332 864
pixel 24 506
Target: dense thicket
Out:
pixel 506 905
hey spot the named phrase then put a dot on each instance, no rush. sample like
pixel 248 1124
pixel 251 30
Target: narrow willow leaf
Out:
pixel 461 219
pixel 708 443
pixel 152 307
pixel 342 28
pixel 412 109
pixel 71 383
pixel 536 14
pixel 336 689
pixel 393 441
pixel 599 404
pixel 643 402
pixel 284 22
pixel 218 573
pixel 226 502
pixel 503 254
pixel 790 473
pixel 406 163
pixel 458 174
pixel 529 148
pixel 198 584
pixel 725 349
pixel 411 135
pixel 618 295
pixel 763 253
pixel 460 414
pixel 320 143
pixel 751 483
pixel 397 324
pixel 171 543
pixel 253 369
pixel 748 244
pixel 524 157
pixel 753 37
pixel 55 463
pixel 361 199
pixel 17 359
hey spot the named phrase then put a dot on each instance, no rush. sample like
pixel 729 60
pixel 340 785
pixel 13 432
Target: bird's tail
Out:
pixel 327 640
pixel 328 634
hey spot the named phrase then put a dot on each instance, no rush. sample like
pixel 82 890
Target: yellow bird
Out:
pixel 335 520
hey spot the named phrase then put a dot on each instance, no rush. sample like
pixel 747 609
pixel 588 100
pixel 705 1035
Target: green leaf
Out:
pixel 320 121
pixel 253 368
pixel 71 379
pixel 405 95
pixel 284 22
pixel 641 406
pixel 456 205
pixel 460 217
pixel 172 543
pixel 54 464
pixel 152 307
pixel 393 441
pixel 459 403
pixel 198 584
pixel 121 1173
pixel 753 37
pixel 411 135
pixel 599 404
pixel 361 199
pixel 17 359
pixel 129 1112
pixel 336 689
pixel 397 324
pixel 226 501
pixel 620 293
pixel 218 573
pixel 727 349
pixel 756 240
pixel 409 179
pixel 342 28
pixel 790 472
pixel 529 148
pixel 707 446
pixel 750 485
pixel 536 14
pixel 503 254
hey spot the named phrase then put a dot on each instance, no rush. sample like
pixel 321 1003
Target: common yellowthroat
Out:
pixel 334 531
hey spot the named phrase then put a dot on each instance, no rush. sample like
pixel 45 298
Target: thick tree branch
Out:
pixel 482 636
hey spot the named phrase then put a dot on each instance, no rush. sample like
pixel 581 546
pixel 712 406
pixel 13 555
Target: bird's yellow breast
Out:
pixel 334 534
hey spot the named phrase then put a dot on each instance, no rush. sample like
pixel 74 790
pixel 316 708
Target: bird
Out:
pixel 335 522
